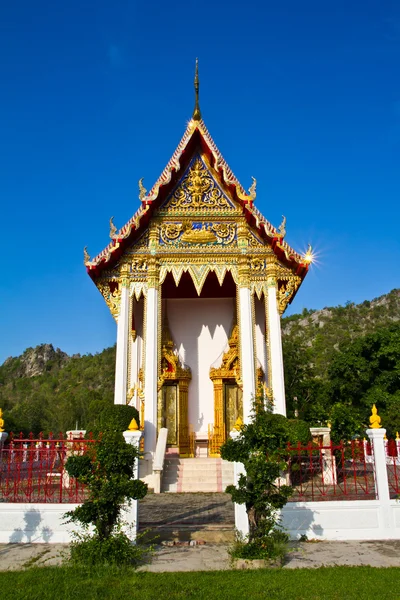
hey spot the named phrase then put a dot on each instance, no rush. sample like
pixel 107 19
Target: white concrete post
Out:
pixel 275 344
pixel 133 438
pixel 247 351
pixel 121 361
pixel 241 519
pixel 378 448
pixel 386 516
pixel 150 369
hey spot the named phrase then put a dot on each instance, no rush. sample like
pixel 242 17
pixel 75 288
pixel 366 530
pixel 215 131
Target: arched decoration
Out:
pixel 228 405
pixel 173 390
pixel 198 271
pixel 227 393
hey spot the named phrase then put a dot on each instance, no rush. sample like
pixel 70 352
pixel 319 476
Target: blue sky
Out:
pixel 305 96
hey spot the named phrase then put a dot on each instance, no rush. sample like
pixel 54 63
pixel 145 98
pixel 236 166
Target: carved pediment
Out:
pixel 198 193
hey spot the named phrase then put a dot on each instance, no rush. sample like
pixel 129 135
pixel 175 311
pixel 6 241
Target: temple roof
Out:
pixel 195 136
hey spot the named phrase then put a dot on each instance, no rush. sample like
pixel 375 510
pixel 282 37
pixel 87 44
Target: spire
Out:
pixel 196 113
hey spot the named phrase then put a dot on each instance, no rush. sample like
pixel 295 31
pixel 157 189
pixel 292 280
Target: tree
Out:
pixel 260 446
pixel 107 469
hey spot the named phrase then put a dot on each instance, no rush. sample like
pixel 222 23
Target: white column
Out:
pixel 133 438
pixel 247 351
pixel 121 362
pixel 275 345
pixel 241 518
pixel 150 371
pixel 380 470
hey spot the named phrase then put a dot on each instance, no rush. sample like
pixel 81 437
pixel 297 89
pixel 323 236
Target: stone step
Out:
pixel 209 534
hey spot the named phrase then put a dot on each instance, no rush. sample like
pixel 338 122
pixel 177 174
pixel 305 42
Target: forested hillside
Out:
pixel 338 362
pixel 46 390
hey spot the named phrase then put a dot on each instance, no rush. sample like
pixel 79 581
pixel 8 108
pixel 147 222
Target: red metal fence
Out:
pixel 32 469
pixel 329 472
pixel 392 448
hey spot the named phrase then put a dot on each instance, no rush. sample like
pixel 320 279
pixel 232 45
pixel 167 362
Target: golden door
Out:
pixel 170 409
pixel 233 406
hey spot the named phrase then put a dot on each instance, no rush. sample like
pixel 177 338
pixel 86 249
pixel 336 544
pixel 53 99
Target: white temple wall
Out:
pixel 136 350
pixel 261 347
pixel 200 328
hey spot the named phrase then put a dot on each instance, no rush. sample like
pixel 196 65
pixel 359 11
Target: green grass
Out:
pixel 328 583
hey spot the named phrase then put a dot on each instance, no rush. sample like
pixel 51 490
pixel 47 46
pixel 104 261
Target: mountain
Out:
pixel 320 333
pixel 46 390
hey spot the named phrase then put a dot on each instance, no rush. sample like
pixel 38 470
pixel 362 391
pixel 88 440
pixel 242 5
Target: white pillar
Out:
pixel 275 345
pixel 150 371
pixel 121 361
pixel 247 351
pixel 380 470
pixel 133 438
pixel 241 518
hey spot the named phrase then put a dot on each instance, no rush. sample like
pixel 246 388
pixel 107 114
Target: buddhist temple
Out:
pixel 197 281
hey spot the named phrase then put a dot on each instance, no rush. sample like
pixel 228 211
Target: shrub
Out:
pixel 258 447
pixel 107 469
pixel 115 417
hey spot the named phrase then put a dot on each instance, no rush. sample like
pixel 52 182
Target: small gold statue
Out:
pixel 1 421
pixel 375 420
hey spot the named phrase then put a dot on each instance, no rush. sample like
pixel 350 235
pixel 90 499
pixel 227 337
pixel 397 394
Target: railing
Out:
pixel 329 472
pixel 33 469
pixel 392 451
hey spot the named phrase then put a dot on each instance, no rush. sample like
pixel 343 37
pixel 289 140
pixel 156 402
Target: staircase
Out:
pixel 196 474
pixel 181 518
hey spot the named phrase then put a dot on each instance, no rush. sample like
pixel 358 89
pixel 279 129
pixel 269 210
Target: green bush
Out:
pixel 260 447
pixel 115 417
pixel 107 470
pixel 88 550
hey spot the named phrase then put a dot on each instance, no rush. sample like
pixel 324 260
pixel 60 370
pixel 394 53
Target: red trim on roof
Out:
pixel 195 136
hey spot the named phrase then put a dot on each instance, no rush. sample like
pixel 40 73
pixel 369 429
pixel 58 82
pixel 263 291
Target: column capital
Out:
pixel 244 272
pixel 271 271
pixel 377 434
pixel 124 273
pixel 153 273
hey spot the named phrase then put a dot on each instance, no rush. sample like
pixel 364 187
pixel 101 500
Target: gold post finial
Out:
pixel 196 113
pixel 238 424
pixel 133 426
pixel 375 420
pixel 1 421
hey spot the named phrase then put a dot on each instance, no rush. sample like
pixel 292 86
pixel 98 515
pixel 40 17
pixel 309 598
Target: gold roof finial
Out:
pixel 142 190
pixel 282 227
pixel 113 229
pixel 86 257
pixel 252 189
pixel 375 420
pixel 196 113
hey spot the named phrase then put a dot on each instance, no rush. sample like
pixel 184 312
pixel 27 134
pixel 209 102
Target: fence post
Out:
pixel 241 519
pixel 132 437
pixel 378 447
pixel 386 516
